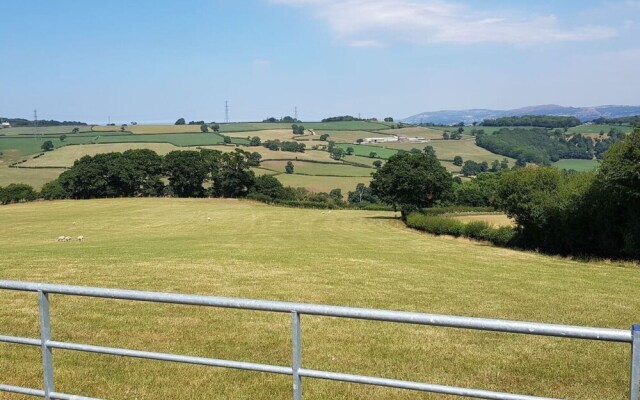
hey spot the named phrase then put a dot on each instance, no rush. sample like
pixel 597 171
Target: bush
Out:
pixel 480 230
pixel 53 191
pixel 475 228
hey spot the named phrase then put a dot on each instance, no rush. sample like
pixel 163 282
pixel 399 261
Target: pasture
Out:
pixel 355 258
pixel 493 219
pixel 578 165
pixel 363 150
pixel 320 169
pixel 448 149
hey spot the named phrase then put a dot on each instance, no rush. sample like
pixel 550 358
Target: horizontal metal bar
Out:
pixel 171 357
pixel 422 387
pixel 64 396
pixel 20 340
pixel 22 390
pixel 529 328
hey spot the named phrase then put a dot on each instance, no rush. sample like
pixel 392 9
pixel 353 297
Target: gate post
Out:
pixel 45 336
pixel 635 363
pixel 297 355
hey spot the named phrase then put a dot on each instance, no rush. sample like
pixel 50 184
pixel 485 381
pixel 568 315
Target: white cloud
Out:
pixel 376 22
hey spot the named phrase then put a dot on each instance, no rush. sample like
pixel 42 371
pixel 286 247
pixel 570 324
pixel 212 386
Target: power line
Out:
pixel 35 120
pixel 295 113
pixel 226 111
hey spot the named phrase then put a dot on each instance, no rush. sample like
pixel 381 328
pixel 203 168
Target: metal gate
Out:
pixel 296 371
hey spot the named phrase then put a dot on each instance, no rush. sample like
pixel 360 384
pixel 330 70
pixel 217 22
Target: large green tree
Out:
pixel 186 171
pixel 409 181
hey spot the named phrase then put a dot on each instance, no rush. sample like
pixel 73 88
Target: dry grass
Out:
pixel 65 156
pixel 492 219
pixel 346 258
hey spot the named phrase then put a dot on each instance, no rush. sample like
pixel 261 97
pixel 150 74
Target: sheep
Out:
pixel 208 218
pixel 80 238
pixel 67 238
pixel 61 238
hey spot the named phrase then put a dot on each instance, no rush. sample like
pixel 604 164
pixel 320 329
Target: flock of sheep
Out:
pixel 68 238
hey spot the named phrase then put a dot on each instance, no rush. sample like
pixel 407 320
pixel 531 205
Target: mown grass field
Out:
pixel 596 129
pixel 311 168
pixel 578 165
pixel 363 150
pixel 353 258
pixel 448 149
pixel 492 219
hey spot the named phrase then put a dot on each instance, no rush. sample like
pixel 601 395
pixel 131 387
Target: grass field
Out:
pixel 578 165
pixel 323 183
pixel 43 130
pixel 33 177
pixel 349 258
pixel 596 129
pixel 492 219
pixel 307 168
pixel 363 150
pixel 448 149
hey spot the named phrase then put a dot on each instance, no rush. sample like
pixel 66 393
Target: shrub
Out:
pixel 480 230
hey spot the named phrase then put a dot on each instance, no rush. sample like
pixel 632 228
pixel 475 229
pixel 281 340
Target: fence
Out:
pixel 296 371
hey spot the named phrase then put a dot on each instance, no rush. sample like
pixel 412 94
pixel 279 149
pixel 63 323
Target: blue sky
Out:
pixel 159 60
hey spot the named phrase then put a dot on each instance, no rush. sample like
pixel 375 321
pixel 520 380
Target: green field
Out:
pixel 309 168
pixel 43 130
pixel 362 259
pixel 596 129
pixel 578 165
pixel 363 150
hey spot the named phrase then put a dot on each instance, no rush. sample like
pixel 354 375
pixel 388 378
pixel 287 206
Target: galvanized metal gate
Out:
pixel 296 371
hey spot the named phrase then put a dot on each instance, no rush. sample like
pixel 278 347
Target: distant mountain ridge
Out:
pixel 584 114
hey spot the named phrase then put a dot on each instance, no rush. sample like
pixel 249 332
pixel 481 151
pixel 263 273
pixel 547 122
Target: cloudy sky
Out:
pixel 157 60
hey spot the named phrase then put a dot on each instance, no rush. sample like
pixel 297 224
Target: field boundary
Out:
pixel 296 310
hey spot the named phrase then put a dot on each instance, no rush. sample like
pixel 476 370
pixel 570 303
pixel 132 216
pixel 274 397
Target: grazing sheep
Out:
pixel 80 238
pixel 67 238
pixel 208 218
pixel 61 238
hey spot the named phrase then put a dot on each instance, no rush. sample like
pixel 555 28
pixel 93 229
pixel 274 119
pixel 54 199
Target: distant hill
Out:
pixel 584 114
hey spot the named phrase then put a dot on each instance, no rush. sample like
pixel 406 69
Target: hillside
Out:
pixel 585 114
pixel 354 258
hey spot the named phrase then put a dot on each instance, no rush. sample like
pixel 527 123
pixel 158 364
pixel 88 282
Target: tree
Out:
pixel 268 185
pixel 204 128
pixel 186 171
pixel 216 128
pixel 410 181
pixel 337 153
pixel 388 119
pixel 445 136
pixel 53 191
pixel 47 146
pixel 350 150
pixel 430 151
pixel 63 137
pixel 373 154
pixel 75 130
pixel 457 161
pixel 336 195
pixel 254 159
pixel 226 140
pixel 330 145
pixel 16 193
pixel 377 164
pixel 471 168
pixel 255 141
pixel 362 194
pixel 180 121
pixel 324 137
pixel 359 140
pixel 504 164
pixel 289 168
pixel 297 129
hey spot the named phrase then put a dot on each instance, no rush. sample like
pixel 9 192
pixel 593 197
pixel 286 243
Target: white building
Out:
pixel 5 125
pixel 388 139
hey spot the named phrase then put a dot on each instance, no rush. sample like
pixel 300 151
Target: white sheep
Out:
pixel 80 238
pixel 208 218
pixel 61 238
pixel 67 238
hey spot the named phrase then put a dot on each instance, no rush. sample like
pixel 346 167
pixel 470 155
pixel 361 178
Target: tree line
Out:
pixel 541 146
pixel 633 121
pixel 542 121
pixel 21 122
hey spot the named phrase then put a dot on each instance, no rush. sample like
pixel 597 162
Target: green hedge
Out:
pixel 439 225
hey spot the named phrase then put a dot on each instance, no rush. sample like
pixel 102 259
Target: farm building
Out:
pixel 388 139
pixel 5 125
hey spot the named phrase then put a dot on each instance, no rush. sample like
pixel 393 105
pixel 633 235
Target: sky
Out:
pixel 158 60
